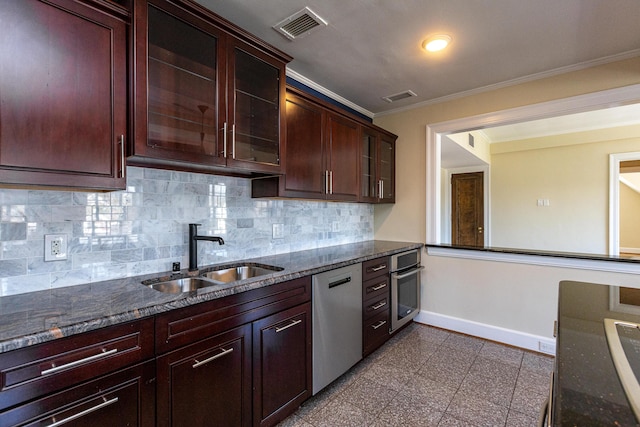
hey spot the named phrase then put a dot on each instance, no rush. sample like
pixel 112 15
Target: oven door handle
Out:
pixel 409 273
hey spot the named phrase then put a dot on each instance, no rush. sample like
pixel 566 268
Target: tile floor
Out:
pixel 426 376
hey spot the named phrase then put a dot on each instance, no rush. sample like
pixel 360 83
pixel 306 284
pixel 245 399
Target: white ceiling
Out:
pixel 371 48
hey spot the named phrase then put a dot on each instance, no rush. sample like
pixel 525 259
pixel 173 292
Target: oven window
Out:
pixel 407 295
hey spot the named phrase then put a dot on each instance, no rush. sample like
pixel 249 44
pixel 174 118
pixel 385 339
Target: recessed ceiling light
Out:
pixel 436 43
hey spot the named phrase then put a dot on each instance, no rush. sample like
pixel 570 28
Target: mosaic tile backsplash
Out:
pixel 144 229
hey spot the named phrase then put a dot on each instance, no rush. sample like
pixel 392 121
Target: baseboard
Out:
pixel 630 250
pixel 494 333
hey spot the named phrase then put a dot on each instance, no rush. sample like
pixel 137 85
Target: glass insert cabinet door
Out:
pixel 369 160
pixel 377 167
pixel 183 85
pixel 256 92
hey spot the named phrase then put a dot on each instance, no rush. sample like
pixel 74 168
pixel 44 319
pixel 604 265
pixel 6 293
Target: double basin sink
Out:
pixel 220 276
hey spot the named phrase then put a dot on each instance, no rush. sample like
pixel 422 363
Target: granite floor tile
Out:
pixel 478 411
pixel 427 376
pixel 340 413
pixel 369 395
pixel 404 411
pixel 518 419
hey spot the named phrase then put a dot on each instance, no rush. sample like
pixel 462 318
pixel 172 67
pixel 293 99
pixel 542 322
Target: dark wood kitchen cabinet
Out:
pixel 100 377
pixel 281 364
pixel 63 93
pixel 222 359
pixel 375 304
pixel 377 167
pixel 207 383
pixel 208 96
pixel 320 155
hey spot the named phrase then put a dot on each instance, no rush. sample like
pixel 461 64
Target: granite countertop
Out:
pixel 587 388
pixel 554 254
pixel 36 317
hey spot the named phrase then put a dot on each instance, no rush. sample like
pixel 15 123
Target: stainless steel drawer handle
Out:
pixel 380 267
pixel 212 358
pixel 339 282
pixel 379 305
pixel 379 324
pixel 378 287
pixel 85 412
pixel 294 323
pixel 79 362
pixel 410 273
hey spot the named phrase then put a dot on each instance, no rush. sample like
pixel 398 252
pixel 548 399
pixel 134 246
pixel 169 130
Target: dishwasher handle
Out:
pixel 340 282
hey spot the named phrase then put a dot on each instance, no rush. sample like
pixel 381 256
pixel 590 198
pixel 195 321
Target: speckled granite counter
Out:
pixel 587 390
pixel 36 317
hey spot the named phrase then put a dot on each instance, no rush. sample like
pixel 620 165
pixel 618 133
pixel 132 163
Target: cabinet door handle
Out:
pixel 85 412
pixel 379 305
pixel 78 362
pixel 379 324
pixel 330 182
pixel 378 287
pixel 224 140
pixel 380 267
pixel 212 358
pixel 381 187
pixel 294 323
pixel 326 182
pixel 122 158
pixel 233 141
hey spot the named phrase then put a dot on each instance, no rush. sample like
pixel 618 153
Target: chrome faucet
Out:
pixel 193 245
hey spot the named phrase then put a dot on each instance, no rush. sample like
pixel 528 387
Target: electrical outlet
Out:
pixel 55 247
pixel 277 231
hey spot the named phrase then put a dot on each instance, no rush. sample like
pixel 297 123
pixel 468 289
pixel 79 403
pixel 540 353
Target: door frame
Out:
pixel 486 195
pixel 614 198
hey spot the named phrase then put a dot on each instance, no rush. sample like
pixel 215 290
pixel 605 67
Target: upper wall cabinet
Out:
pixel 377 166
pixel 208 96
pixel 331 155
pixel 63 93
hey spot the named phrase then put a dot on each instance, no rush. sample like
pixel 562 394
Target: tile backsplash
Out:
pixel 144 229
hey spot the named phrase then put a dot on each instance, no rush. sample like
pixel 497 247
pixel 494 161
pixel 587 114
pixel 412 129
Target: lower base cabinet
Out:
pixel 207 383
pixel 240 360
pixel 281 364
pixel 123 398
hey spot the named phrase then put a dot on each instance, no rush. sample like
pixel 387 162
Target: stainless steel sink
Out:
pixel 178 286
pixel 212 278
pixel 240 272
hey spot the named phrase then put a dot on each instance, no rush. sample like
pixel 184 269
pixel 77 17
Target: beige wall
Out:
pixel 522 299
pixel 573 176
pixel 629 218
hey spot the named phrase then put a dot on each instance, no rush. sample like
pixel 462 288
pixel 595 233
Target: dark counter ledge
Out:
pixel 554 254
pixel 36 317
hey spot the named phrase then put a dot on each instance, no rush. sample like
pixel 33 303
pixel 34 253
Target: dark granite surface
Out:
pixel 36 317
pixel 587 389
pixel 555 254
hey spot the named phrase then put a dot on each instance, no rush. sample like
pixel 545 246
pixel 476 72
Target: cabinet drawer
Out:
pixel 185 326
pixel 375 306
pixel 123 398
pixel 375 268
pixel 376 332
pixel 375 288
pixel 34 371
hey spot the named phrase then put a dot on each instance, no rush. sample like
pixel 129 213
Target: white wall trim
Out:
pixel 547 261
pixel 489 332
pixel 592 101
pixel 323 90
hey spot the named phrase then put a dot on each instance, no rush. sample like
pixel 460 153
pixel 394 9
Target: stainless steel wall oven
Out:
pixel 405 287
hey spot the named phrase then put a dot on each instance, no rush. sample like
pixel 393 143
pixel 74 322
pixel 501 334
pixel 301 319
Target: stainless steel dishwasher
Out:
pixel 337 323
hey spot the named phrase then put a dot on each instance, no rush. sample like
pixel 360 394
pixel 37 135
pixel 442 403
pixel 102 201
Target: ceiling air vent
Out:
pixel 399 96
pixel 300 24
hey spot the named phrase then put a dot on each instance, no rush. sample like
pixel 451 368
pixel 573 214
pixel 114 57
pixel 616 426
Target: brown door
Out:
pixel 467 209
